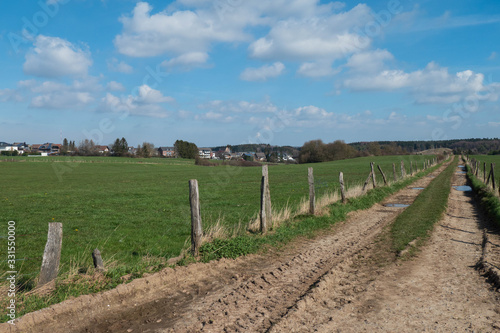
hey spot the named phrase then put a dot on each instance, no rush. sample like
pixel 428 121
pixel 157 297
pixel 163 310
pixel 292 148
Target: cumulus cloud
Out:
pixel 187 61
pixel 298 30
pixel 369 61
pixel 145 103
pixel 10 95
pixel 55 57
pixel 317 69
pixel 263 73
pixel 181 32
pixel 56 96
pixel 119 66
pixel 115 86
pixel 329 37
pixel 431 85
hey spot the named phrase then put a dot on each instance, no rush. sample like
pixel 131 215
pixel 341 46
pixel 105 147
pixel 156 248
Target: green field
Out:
pixel 488 159
pixel 132 208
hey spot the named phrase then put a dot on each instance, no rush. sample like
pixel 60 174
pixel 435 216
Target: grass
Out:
pixel 488 199
pixel 137 212
pixel 416 221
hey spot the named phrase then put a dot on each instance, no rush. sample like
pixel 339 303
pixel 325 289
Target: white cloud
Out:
pixel 187 61
pixel 68 100
pixel 492 56
pixel 263 73
pixel 317 69
pixel 147 35
pixel 55 95
pixel 239 107
pixel 119 66
pixel 328 37
pixel 431 85
pixel 10 95
pixel 146 103
pixel 115 86
pixel 369 61
pixel 56 57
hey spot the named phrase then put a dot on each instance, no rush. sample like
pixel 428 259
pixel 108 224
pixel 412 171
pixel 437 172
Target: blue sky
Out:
pixel 233 71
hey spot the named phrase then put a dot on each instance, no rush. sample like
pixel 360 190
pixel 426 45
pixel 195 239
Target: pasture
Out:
pixel 132 209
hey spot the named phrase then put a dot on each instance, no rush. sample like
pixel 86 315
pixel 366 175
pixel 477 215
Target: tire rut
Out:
pixel 256 304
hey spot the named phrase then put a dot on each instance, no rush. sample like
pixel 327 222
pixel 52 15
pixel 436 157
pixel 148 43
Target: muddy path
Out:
pixel 438 291
pixel 343 280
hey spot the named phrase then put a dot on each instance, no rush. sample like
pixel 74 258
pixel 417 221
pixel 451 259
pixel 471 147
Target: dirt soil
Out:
pixel 345 280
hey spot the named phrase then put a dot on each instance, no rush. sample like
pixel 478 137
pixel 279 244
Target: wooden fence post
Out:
pixel 394 171
pixel 383 175
pixel 411 168
pixel 342 189
pixel 310 178
pixel 373 175
pixel 97 259
pixel 477 167
pixel 263 210
pixel 51 254
pixel 366 182
pixel 196 230
pixel 402 169
pixel 493 175
pixel 484 172
pixel 269 216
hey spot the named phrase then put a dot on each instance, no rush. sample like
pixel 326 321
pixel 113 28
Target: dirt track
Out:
pixel 345 280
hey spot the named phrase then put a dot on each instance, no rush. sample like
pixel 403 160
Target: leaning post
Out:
pixel 196 229
pixel 51 254
pixel 373 175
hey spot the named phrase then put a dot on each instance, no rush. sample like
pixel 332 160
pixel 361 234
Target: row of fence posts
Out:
pixel 53 247
pixel 475 165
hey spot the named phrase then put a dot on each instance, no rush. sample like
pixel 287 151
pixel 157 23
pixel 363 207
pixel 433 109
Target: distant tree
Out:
pixel 120 147
pixel 147 149
pixel 312 152
pixel 87 148
pixel 185 149
pixel 65 147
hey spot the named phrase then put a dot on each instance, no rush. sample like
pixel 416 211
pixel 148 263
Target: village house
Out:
pixel 166 152
pixel 102 149
pixel 261 157
pixel 206 153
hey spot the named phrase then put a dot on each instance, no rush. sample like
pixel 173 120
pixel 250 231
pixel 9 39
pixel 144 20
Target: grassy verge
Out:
pixel 81 283
pixel 487 199
pixel 301 225
pixel 416 222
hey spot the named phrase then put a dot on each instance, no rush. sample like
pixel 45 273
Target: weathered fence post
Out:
pixel 373 175
pixel 383 175
pixel 484 172
pixel 411 168
pixel 402 169
pixel 196 230
pixel 394 171
pixel 269 217
pixel 477 168
pixel 493 175
pixel 342 189
pixel 97 259
pixel 366 182
pixel 263 210
pixel 51 254
pixel 310 178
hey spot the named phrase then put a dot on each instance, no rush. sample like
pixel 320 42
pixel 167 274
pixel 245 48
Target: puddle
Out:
pixel 463 188
pixel 431 176
pixel 461 172
pixel 461 166
pixel 396 205
pixel 417 188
